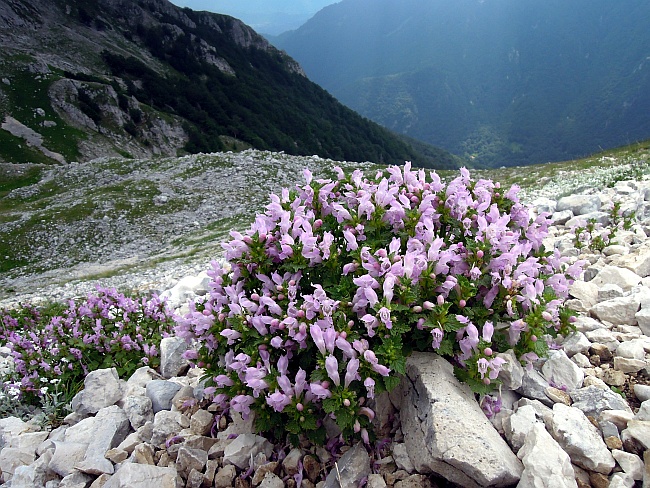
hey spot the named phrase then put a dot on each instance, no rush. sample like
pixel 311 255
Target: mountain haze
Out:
pixel 498 81
pixel 82 79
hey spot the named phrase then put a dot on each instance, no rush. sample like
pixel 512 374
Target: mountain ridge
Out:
pixel 498 82
pixel 143 78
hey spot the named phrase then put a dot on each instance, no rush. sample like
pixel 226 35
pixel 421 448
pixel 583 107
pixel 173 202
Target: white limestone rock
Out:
pixel 512 372
pixel 132 475
pixel 161 393
pixel 239 451
pixel 579 204
pixel 353 466
pixel 546 465
pixel 138 409
pixel 609 291
pixel 172 362
pixel 576 343
pixel 643 319
pixel 639 430
pixel 622 277
pixel 102 388
pixel 617 311
pixel 630 463
pixel 592 400
pixel 518 425
pixel 585 291
pixel 446 432
pixel 580 439
pixel 560 371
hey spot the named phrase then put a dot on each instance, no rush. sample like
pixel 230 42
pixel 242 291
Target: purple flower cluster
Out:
pixel 107 329
pixel 323 298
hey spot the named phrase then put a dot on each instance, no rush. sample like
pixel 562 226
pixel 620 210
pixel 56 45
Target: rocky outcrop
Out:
pixel 580 417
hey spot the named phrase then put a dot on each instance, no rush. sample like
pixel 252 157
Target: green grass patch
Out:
pixel 12 178
pixel 28 92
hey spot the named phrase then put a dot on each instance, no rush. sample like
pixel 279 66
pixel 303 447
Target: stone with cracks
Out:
pixel 138 409
pixel 102 388
pixel 617 311
pixel 586 292
pixel 445 430
pixel 580 439
pixel 109 428
pixel 561 372
pixel 592 400
pixel 534 386
pixel 161 393
pixel 512 373
pixel 546 465
pixel 629 463
pixel 622 277
pixel 518 425
pixel 579 204
pixel 353 466
pixel 575 343
pixel 244 448
pixel 643 319
pixel 172 362
pixel 131 475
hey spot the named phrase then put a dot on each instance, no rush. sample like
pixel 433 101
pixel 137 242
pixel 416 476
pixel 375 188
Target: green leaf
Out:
pixel 330 405
pixel 391 381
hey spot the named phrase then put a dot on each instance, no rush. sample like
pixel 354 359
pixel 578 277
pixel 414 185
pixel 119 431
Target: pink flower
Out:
pixel 332 367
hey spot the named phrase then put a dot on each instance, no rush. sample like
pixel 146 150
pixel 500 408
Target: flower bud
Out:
pixel 317 223
pixel 350 323
pixel 487 351
pixel 486 381
pixel 300 407
pixel 417 309
pixel 222 317
pixel 248 239
pixel 343 335
pixel 255 297
pixel 279 287
pixel 262 237
pixel 462 303
pixel 281 296
pixel 346 402
pixel 533 338
pixel 480 254
pixel 427 305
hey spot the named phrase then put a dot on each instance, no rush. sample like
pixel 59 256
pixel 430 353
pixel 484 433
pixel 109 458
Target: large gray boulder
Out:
pixel 579 204
pixel 445 430
pixel 580 439
pixel 102 388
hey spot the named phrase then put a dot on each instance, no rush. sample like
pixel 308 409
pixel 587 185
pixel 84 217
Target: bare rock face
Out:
pixel 447 433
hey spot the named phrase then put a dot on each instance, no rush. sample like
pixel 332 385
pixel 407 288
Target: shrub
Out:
pixel 61 345
pixel 321 301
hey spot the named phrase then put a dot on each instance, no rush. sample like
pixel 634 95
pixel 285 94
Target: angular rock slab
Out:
pixel 546 465
pixel 445 430
pixel 132 475
pixel 580 439
pixel 353 467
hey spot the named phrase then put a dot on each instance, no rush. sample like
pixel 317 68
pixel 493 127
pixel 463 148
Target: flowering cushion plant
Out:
pixel 321 301
pixel 107 329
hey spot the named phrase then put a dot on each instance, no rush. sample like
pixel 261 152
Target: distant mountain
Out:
pixel 498 81
pixel 268 17
pixel 88 78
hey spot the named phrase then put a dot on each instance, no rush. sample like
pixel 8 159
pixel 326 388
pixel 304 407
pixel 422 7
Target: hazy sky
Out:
pixel 265 16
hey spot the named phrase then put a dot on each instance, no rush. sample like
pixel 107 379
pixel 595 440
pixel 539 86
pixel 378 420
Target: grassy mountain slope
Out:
pixel 499 82
pixel 83 79
pixel 113 216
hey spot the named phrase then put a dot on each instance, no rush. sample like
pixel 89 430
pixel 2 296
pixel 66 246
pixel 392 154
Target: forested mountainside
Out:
pixel 499 82
pixel 86 78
